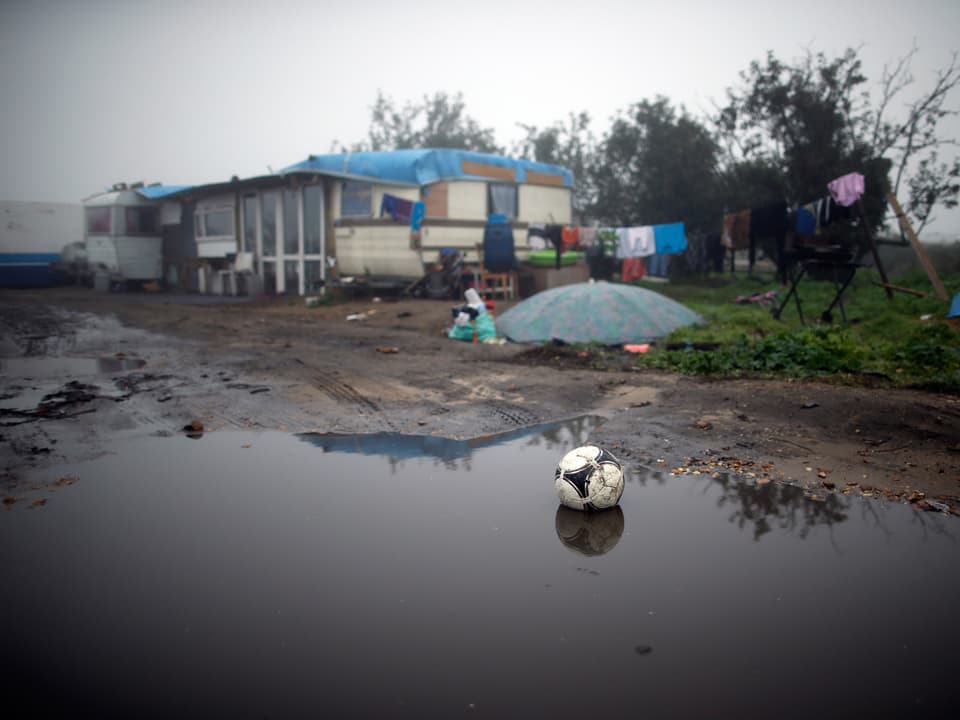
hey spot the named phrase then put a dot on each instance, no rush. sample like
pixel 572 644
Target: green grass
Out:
pixel 883 341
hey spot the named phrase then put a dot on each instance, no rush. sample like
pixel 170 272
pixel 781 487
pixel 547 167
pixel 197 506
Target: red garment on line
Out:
pixel 633 269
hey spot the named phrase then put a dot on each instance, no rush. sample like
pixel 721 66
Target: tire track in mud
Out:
pixel 345 394
pixel 514 415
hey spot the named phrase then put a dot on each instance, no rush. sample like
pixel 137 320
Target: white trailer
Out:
pixel 122 235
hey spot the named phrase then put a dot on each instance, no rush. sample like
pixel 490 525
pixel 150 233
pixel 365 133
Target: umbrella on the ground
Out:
pixel 608 313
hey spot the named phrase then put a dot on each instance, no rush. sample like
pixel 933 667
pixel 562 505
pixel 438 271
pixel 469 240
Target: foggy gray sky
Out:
pixel 186 92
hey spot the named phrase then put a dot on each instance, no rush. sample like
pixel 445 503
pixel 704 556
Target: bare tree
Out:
pixel 914 143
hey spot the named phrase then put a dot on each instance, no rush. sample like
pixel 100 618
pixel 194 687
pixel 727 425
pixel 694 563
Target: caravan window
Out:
pixel 502 200
pixel 98 220
pixel 356 199
pixel 141 220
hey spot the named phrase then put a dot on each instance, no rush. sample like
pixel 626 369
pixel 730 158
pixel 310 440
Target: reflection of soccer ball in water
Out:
pixel 589 478
pixel 589 533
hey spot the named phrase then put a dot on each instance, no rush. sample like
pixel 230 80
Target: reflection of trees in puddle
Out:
pixel 874 512
pixel 765 507
pixel 454 454
pixel 589 533
pixel 566 434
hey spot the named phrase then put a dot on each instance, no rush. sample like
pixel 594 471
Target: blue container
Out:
pixel 955 307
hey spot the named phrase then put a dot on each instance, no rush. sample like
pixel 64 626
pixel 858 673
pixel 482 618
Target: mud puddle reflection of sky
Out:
pixel 355 576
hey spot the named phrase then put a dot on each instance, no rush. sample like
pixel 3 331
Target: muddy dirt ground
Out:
pixel 276 364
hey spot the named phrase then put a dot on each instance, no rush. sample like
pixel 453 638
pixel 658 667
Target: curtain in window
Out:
pixel 503 200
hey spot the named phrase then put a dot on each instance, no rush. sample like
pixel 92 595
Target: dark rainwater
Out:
pixel 59 367
pixel 302 576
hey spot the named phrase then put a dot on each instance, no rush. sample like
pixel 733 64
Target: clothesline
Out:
pixel 743 227
pixel 629 245
pixel 635 241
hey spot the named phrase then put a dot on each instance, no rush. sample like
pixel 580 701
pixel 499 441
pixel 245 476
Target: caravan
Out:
pixel 122 236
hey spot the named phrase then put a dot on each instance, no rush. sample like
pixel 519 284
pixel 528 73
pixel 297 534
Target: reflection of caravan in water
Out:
pixel 122 233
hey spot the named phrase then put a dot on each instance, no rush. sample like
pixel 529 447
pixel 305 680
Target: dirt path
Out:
pixel 276 364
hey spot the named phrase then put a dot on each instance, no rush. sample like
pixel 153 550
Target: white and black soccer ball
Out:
pixel 589 478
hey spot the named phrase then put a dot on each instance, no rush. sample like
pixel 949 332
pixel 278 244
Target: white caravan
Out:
pixel 122 235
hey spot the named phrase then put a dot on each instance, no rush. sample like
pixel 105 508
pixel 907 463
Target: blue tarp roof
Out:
pixel 419 166
pixel 158 192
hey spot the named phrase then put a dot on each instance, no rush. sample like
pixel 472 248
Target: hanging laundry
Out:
pixel 537 236
pixel 555 236
pixel 715 252
pixel 829 211
pixel 570 236
pixel 417 216
pixel 669 239
pixel 768 221
pixel 632 269
pixel 399 209
pixel 588 237
pixel 388 206
pixel 847 189
pixel 657 264
pixel 805 220
pixel 635 242
pixel 736 230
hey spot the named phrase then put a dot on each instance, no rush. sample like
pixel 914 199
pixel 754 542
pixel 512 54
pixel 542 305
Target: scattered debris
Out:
pixel 702 425
pixel 766 298
pixel 388 350
pixel 810 405
pixel 39 503
pixel 67 480
pixel 713 466
pixel 356 316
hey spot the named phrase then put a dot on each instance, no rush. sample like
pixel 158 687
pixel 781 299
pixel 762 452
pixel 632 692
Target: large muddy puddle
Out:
pixel 272 575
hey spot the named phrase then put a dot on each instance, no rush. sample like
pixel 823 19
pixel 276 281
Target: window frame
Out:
pixel 516 199
pixel 106 211
pixel 200 222
pixel 139 210
pixel 350 195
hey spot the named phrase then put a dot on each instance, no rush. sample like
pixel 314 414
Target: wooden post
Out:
pixel 873 248
pixel 921 253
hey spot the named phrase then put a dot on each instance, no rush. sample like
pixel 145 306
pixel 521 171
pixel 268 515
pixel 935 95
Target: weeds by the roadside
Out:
pixel 905 341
